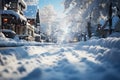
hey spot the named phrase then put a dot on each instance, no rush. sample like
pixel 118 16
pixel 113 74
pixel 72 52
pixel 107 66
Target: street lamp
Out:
pixel 110 18
pixel 89 26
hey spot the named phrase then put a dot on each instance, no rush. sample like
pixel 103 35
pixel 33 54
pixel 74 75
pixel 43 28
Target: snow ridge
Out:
pixel 96 59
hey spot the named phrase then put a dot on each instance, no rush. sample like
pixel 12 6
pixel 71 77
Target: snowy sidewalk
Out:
pixel 91 60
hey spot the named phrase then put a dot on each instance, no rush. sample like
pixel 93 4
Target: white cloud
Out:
pixel 48 14
pixel 31 2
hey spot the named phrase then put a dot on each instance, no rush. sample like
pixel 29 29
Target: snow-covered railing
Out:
pixel 22 17
pixel 23 3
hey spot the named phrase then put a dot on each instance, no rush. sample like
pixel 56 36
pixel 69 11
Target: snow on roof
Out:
pixel 31 26
pixel 2 35
pixel 9 12
pixel 37 34
pixel 16 14
pixel 23 3
pixel 22 17
pixel 7 30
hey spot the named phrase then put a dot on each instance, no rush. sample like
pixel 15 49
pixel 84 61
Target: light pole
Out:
pixel 89 26
pixel 110 18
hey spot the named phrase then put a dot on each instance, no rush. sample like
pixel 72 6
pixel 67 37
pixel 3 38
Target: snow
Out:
pixel 9 12
pixel 116 34
pixel 23 3
pixel 2 35
pixel 17 15
pixel 96 59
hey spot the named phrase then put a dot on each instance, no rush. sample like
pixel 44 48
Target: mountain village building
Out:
pixel 12 17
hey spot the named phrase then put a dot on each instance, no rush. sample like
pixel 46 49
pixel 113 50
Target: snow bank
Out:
pixel 8 42
pixel 96 59
pixel 4 42
pixel 16 63
pixel 107 50
pixel 2 35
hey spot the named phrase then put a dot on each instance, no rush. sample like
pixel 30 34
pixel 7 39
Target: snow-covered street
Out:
pixel 91 60
pixel 59 40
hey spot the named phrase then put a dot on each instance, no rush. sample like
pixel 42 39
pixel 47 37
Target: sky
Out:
pixel 31 10
pixel 57 4
pixel 34 4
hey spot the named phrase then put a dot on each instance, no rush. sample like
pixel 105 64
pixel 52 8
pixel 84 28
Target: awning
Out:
pixel 17 15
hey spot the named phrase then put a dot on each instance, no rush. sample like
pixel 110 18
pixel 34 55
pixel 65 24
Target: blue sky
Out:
pixel 32 6
pixel 56 3
pixel 31 11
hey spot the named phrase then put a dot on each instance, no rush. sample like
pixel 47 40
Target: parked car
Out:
pixel 44 37
pixel 8 33
pixel 23 37
pixel 26 37
pixel 37 38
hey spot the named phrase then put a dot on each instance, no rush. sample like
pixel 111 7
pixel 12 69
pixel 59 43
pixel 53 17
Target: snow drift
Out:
pixel 96 59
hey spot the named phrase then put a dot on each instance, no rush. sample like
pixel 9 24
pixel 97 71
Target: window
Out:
pixel 1 5
pixel 13 5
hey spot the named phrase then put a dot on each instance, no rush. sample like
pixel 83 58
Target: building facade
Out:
pixel 12 17
pixel 37 22
pixel 30 14
pixel 0 14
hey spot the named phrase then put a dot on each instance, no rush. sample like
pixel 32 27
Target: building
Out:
pixel 12 16
pixel 37 22
pixel 1 7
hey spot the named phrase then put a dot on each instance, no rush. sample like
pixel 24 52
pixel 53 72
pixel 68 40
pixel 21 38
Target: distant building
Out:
pixel 30 14
pixel 37 22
